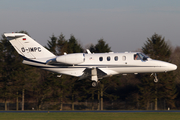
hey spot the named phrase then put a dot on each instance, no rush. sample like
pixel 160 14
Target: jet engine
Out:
pixel 72 59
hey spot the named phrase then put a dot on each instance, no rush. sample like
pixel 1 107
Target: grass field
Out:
pixel 91 116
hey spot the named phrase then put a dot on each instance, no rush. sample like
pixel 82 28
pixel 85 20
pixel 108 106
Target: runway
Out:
pixel 97 111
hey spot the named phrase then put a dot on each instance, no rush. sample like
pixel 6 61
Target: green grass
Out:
pixel 90 116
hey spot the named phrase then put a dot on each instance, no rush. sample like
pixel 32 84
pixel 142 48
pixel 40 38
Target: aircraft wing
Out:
pixel 88 73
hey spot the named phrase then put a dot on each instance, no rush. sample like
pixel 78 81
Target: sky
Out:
pixel 124 24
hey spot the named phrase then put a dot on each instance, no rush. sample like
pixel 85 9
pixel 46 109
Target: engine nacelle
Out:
pixel 73 59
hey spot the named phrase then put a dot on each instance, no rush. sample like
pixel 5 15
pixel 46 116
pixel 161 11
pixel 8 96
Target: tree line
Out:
pixel 21 84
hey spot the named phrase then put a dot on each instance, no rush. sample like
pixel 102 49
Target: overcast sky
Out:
pixel 124 24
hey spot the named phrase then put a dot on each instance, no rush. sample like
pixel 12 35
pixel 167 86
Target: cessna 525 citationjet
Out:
pixel 93 66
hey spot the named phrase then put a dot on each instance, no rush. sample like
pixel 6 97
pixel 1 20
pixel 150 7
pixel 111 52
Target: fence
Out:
pixel 88 105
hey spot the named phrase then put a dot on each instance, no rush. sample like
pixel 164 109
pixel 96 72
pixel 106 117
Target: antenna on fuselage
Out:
pixel 88 51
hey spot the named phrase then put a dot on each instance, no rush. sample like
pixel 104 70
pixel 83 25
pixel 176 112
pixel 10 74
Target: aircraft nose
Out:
pixel 171 67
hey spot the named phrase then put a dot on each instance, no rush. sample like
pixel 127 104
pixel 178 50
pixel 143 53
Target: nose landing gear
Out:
pixel 155 77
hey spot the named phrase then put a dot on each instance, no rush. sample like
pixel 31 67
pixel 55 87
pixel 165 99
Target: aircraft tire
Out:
pixel 94 84
pixel 155 80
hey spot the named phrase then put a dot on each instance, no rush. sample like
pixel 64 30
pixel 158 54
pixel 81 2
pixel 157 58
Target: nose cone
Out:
pixel 162 66
pixel 171 67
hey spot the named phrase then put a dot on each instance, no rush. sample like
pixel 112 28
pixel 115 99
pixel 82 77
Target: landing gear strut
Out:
pixel 94 77
pixel 155 77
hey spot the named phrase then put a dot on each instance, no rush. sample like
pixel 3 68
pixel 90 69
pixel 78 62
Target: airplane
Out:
pixel 93 66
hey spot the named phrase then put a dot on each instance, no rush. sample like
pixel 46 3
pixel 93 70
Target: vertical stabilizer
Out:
pixel 27 47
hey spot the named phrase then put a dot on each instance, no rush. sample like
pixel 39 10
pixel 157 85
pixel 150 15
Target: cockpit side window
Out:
pixel 136 57
pixel 140 56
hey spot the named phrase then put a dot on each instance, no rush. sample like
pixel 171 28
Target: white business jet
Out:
pixel 93 66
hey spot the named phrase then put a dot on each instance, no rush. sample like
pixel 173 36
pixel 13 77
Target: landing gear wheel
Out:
pixel 155 80
pixel 94 83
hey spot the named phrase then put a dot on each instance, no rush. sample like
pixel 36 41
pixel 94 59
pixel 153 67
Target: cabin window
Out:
pixel 108 58
pixel 100 58
pixel 116 58
pixel 123 58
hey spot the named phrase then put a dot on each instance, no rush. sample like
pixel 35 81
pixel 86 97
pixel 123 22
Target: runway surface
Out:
pixel 104 111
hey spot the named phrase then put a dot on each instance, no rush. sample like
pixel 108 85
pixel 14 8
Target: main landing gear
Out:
pixel 95 74
pixel 155 77
pixel 94 84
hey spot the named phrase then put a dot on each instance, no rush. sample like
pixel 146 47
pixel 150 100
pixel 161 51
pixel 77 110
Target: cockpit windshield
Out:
pixel 140 56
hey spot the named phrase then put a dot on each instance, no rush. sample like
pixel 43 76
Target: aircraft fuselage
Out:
pixel 110 63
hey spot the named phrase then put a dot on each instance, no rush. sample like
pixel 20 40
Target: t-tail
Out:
pixel 27 47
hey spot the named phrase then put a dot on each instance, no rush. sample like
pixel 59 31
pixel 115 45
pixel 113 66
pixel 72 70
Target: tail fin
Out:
pixel 28 47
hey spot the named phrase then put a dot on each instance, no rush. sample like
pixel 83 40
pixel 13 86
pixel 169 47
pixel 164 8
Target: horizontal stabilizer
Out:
pixel 12 35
